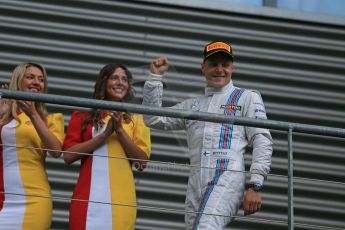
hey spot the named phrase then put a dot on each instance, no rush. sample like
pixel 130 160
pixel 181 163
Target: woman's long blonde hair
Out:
pixel 15 84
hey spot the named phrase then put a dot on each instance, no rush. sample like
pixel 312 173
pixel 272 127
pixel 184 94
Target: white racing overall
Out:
pixel 215 188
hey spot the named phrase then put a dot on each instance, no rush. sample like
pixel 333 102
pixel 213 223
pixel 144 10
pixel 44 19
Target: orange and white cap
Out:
pixel 216 47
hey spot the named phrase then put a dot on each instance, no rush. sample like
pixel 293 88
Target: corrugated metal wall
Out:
pixel 297 66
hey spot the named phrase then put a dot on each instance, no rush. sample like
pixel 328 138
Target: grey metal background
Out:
pixel 297 66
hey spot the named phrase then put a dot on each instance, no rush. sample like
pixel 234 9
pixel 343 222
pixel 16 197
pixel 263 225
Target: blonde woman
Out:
pixel 26 129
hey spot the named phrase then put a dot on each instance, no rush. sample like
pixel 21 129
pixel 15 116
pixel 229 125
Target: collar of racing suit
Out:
pixel 209 91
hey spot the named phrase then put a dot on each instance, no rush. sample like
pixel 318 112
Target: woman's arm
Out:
pixel 84 147
pixel 87 146
pixel 49 140
pixel 131 149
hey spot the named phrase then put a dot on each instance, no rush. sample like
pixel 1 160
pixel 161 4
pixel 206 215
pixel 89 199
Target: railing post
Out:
pixel 290 182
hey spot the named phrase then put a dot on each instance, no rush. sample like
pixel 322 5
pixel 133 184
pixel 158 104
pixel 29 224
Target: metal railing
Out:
pixel 190 115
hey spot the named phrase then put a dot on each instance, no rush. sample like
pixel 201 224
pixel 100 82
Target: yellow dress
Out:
pixel 106 179
pixel 23 179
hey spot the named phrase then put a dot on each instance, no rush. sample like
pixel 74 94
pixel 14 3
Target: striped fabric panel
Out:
pixel 222 165
pixel 2 189
pixel 226 130
pixel 13 210
pixel 100 191
pixel 78 209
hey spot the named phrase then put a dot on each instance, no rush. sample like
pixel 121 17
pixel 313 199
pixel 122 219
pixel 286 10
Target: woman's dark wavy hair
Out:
pixel 99 93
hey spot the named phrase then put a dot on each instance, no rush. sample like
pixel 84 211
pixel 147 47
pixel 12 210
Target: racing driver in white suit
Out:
pixel 216 188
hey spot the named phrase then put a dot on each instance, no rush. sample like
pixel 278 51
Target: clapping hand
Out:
pixel 27 107
pixel 115 123
pixel 4 103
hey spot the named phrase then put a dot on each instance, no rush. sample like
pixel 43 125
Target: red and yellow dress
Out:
pixel 106 178
pixel 23 179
